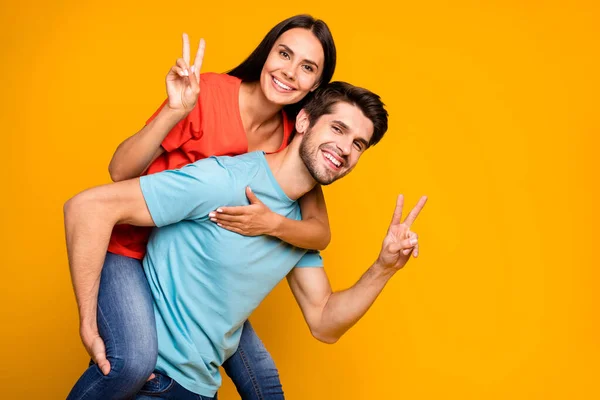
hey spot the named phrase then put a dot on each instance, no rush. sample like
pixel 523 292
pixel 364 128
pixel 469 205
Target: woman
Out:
pixel 250 108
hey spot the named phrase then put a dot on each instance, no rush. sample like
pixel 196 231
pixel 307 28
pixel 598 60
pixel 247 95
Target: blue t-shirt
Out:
pixel 206 280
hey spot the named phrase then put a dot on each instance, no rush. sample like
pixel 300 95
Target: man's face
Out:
pixel 333 146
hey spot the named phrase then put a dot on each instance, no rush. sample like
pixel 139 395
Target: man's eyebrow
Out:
pixel 306 60
pixel 342 124
pixel 347 128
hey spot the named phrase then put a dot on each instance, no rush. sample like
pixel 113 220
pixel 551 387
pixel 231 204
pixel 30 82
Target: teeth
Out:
pixel 281 85
pixel 333 160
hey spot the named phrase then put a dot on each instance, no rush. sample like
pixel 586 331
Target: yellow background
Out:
pixel 494 115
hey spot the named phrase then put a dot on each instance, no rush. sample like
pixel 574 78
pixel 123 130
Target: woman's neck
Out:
pixel 256 110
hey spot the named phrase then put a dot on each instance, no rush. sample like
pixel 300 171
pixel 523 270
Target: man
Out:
pixel 206 281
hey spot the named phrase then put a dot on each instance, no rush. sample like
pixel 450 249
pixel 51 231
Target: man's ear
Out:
pixel 302 122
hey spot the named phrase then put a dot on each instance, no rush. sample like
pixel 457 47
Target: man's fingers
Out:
pixel 414 213
pixel 199 58
pixel 404 245
pixel 416 251
pixel 104 365
pixel 397 218
pixel 186 48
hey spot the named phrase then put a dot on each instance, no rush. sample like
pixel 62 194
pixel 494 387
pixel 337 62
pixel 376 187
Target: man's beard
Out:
pixel 309 155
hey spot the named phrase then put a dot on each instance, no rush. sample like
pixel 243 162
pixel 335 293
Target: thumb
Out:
pixel 99 354
pixel 251 196
pixel 103 364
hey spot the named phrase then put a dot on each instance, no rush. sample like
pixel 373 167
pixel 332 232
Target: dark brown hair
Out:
pixel 369 103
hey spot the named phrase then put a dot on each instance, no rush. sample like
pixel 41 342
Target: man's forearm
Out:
pixel 87 235
pixel 344 308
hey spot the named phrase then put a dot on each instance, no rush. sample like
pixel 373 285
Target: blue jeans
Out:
pixel 163 387
pixel 127 326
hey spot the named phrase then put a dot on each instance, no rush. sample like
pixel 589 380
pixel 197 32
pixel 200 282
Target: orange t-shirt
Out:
pixel 213 128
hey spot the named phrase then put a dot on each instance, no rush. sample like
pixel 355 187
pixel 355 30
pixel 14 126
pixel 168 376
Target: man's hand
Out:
pixel 183 82
pixel 95 347
pixel 400 242
pixel 253 220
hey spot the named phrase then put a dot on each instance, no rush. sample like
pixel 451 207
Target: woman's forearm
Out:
pixel 311 233
pixel 136 153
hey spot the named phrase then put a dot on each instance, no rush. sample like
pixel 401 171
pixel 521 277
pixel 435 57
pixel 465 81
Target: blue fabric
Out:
pixel 206 280
pixel 126 324
pixel 252 369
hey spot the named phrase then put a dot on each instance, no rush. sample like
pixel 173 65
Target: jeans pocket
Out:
pixel 157 385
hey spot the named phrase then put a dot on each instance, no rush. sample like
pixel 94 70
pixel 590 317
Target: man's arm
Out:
pixel 330 314
pixel 89 219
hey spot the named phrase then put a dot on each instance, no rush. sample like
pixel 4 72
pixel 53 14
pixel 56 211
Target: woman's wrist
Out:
pixel 275 227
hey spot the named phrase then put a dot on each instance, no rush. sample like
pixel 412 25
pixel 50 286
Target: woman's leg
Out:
pixel 126 324
pixel 252 369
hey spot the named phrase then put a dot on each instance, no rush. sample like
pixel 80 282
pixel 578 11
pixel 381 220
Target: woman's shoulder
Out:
pixel 218 79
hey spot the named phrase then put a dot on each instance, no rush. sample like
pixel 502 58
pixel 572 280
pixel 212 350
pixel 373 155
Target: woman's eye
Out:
pixel 308 68
pixel 284 54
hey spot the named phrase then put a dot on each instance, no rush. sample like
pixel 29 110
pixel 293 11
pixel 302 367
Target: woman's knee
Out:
pixel 133 368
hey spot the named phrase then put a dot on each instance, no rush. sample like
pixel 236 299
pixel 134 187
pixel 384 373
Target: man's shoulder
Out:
pixel 225 169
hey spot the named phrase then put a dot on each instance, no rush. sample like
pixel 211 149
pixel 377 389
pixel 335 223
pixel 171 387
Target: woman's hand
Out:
pixel 252 220
pixel 183 82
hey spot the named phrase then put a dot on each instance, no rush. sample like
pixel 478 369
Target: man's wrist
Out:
pixel 88 322
pixel 381 268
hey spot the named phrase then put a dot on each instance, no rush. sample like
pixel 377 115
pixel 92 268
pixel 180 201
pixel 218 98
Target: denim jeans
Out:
pixel 127 326
pixel 163 387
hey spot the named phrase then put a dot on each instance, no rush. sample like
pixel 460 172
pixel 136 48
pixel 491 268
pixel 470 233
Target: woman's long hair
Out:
pixel 249 70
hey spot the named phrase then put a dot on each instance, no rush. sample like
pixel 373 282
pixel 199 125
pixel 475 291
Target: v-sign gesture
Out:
pixel 400 242
pixel 183 81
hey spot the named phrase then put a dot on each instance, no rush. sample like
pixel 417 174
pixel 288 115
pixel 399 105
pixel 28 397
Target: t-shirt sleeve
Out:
pixel 187 193
pixel 312 258
pixel 188 128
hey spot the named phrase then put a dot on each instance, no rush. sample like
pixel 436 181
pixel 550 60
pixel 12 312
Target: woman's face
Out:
pixel 293 67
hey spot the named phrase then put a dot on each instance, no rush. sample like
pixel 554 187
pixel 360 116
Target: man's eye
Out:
pixel 358 146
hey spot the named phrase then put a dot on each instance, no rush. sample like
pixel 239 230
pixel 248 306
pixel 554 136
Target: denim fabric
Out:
pixel 126 323
pixel 163 387
pixel 252 370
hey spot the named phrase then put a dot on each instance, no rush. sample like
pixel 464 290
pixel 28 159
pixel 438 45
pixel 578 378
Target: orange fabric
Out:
pixel 213 128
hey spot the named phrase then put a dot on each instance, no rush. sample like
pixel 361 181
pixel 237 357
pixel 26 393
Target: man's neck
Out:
pixel 290 172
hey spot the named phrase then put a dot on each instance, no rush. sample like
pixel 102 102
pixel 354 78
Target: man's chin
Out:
pixel 327 180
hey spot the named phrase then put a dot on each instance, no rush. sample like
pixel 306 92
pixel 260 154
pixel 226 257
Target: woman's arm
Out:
pixel 312 232
pixel 136 153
